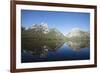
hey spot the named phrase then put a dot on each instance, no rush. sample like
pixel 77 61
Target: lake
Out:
pixel 54 51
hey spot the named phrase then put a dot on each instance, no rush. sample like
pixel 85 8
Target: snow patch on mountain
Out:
pixel 43 27
pixel 76 32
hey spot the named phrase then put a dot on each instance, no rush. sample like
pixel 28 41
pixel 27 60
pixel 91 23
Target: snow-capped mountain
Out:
pixel 43 27
pixel 42 31
pixel 76 32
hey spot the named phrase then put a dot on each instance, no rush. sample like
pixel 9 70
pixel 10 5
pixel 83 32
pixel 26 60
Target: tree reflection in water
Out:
pixel 41 49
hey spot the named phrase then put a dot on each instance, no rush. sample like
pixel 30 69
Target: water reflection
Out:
pixel 77 46
pixel 41 49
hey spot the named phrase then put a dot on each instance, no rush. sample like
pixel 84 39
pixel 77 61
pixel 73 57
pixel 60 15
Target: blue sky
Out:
pixel 63 21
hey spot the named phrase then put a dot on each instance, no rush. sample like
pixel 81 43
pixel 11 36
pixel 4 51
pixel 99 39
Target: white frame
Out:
pixel 20 65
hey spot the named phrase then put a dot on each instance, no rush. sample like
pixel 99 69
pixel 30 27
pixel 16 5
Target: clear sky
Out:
pixel 63 21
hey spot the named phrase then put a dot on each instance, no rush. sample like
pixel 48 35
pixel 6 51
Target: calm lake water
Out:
pixel 55 52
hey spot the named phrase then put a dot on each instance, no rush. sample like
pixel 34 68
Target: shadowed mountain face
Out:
pixel 41 33
pixel 39 43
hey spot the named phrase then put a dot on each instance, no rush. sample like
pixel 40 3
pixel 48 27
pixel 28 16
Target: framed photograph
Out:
pixel 52 36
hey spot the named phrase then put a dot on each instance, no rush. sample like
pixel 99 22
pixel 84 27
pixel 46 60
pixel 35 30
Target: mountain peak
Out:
pixel 76 29
pixel 76 32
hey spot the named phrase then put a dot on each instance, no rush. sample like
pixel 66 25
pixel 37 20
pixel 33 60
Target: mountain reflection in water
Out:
pixel 77 46
pixel 55 51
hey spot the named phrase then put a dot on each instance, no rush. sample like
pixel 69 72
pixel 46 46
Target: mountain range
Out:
pixel 42 30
